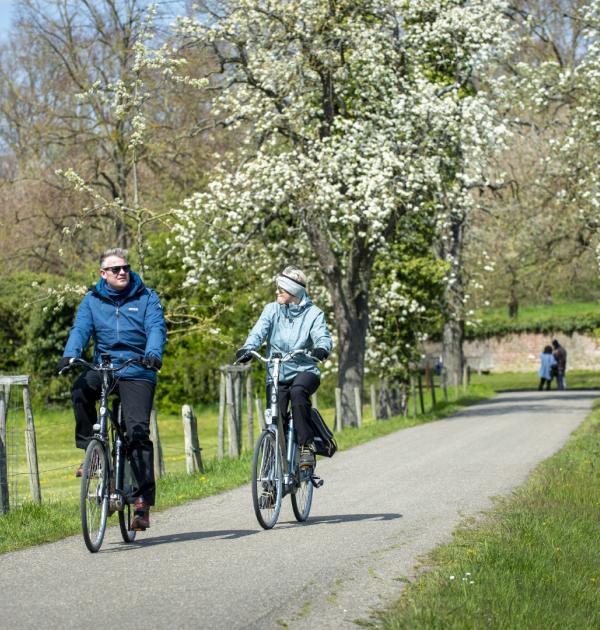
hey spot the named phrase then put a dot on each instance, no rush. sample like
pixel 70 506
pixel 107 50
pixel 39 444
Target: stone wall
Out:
pixel 520 352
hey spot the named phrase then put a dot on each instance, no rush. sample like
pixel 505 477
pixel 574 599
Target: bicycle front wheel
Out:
pixel 267 482
pixel 93 499
pixel 302 497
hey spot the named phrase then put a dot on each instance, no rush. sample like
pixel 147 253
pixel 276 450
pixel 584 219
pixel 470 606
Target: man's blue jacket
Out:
pixel 124 325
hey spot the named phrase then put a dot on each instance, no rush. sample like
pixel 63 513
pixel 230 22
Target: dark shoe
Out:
pixel 307 456
pixel 141 515
pixel 79 471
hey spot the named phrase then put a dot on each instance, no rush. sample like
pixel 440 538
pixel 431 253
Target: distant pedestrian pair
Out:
pixel 553 364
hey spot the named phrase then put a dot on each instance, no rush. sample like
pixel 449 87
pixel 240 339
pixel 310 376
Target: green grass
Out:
pixel 533 563
pixel 564 318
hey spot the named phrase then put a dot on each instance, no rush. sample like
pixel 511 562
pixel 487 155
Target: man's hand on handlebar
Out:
pixel 150 362
pixel 63 363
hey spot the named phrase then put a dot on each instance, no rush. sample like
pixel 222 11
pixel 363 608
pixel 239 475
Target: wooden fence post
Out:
pixel 373 402
pixel 420 385
pixel 159 462
pixel 231 419
pixel 466 376
pixel 249 410
pixel 358 406
pixel 444 383
pixel 193 460
pixel 220 426
pixel 237 389
pixel 431 383
pixel 4 496
pixel 260 413
pixel 31 448
pixel 413 392
pixel 338 409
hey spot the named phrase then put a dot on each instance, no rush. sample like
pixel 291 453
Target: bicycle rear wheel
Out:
pixel 126 483
pixel 267 482
pixel 127 533
pixel 302 497
pixel 93 498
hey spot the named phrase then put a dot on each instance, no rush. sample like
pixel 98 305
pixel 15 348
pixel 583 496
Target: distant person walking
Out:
pixel 547 360
pixel 560 355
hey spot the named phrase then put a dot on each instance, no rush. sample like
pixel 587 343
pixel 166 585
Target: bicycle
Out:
pixel 107 480
pixel 275 467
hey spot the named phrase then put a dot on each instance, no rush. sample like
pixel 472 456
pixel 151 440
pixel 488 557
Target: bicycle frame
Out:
pixel 285 443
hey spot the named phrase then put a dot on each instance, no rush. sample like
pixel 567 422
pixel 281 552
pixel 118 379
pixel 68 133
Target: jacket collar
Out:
pixel 135 286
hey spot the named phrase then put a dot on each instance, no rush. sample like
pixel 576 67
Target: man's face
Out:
pixel 118 280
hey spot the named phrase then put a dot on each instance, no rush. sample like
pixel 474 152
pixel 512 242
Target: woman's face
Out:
pixel 283 297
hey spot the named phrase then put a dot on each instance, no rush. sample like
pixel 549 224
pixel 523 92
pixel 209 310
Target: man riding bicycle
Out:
pixel 125 320
pixel 292 323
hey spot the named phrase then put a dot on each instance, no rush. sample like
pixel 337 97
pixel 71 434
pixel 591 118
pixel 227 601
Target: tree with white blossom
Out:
pixel 348 115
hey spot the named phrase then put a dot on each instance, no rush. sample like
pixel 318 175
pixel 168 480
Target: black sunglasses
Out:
pixel 117 268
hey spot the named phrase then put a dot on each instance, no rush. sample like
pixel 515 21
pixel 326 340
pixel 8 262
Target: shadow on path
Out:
pixel 530 402
pixel 224 534
pixel 334 519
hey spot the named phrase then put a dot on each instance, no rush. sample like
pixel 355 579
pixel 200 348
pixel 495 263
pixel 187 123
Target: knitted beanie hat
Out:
pixel 292 280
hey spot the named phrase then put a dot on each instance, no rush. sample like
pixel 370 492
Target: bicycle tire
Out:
pixel 125 483
pixel 267 481
pixel 127 534
pixel 303 493
pixel 93 497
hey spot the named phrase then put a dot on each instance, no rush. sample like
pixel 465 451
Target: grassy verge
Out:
pixel 533 563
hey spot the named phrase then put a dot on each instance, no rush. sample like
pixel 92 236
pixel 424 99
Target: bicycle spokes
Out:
pixel 267 482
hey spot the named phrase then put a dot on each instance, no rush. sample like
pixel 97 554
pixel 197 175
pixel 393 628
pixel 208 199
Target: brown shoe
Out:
pixel 141 515
pixel 79 471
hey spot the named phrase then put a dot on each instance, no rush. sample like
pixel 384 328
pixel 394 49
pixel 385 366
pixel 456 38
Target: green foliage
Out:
pixel 406 290
pixel 35 317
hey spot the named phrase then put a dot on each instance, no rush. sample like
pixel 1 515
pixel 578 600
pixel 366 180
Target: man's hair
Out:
pixel 115 251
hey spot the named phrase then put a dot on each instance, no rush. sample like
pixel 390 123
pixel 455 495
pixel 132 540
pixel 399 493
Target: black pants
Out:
pixel 136 404
pixel 298 391
pixel 545 381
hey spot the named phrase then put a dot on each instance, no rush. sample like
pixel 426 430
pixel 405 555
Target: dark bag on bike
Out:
pixel 325 443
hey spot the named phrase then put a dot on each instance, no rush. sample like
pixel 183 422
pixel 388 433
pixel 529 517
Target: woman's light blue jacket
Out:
pixel 289 327
pixel 546 363
pixel 126 326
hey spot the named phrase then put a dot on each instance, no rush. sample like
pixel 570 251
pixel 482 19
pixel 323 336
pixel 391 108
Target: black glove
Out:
pixel 150 362
pixel 63 362
pixel 242 356
pixel 320 354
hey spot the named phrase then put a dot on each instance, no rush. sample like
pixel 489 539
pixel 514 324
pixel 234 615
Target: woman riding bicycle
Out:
pixel 292 323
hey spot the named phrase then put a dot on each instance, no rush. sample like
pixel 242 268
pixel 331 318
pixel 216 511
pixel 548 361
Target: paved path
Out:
pixel 384 504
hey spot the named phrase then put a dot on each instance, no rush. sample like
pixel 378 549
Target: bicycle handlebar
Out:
pixel 286 357
pixel 102 367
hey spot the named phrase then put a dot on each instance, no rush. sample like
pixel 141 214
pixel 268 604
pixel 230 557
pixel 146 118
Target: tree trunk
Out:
pixel 452 351
pixel 513 305
pixel 352 322
pixel 454 322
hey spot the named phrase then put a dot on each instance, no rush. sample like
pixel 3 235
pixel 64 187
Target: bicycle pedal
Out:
pixel 317 482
